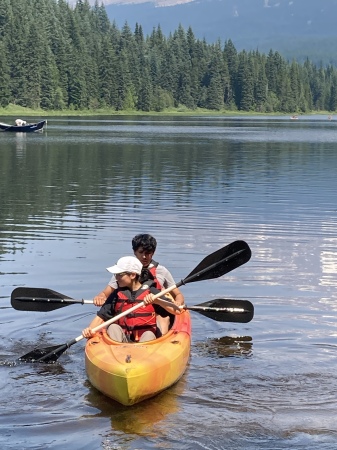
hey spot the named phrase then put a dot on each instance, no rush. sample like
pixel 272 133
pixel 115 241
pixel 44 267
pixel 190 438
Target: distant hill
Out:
pixel 296 28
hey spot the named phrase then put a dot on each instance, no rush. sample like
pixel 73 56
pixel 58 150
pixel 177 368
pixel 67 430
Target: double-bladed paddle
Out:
pixel 212 266
pixel 221 309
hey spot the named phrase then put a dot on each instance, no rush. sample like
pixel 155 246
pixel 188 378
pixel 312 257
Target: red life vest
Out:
pixel 138 321
pixel 153 274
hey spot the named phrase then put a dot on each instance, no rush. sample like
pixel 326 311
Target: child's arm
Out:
pixel 168 305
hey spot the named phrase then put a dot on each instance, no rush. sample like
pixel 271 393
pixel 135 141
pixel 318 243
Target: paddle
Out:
pixel 226 310
pixel 41 299
pixel 222 310
pixel 45 300
pixel 215 265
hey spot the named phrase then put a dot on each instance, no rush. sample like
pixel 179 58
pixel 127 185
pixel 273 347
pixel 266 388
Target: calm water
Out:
pixel 73 197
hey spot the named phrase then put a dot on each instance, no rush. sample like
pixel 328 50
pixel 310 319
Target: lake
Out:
pixel 73 197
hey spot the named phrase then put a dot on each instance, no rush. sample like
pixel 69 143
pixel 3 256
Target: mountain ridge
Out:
pixel 298 29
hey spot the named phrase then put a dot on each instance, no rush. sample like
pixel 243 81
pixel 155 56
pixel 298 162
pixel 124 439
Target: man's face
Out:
pixel 144 256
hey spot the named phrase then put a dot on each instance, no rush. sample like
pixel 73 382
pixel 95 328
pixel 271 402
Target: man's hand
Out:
pixel 100 299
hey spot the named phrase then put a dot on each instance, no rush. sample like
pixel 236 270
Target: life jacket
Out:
pixel 138 321
pixel 151 274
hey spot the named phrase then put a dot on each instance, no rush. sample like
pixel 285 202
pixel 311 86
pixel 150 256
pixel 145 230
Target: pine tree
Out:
pixel 4 77
pixel 108 64
pixel 333 93
pixel 245 83
pixel 144 102
pixel 217 79
pixel 260 84
pixel 231 59
pixel 5 17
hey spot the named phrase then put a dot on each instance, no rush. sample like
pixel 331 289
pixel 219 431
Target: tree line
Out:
pixel 56 57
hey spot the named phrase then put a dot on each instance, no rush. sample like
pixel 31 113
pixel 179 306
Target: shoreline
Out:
pixel 13 110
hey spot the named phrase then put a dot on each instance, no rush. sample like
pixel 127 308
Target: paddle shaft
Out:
pixel 21 300
pixel 221 310
pixel 91 302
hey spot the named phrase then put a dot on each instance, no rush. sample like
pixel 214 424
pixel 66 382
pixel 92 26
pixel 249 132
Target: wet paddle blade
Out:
pixel 226 310
pixel 221 262
pixel 47 354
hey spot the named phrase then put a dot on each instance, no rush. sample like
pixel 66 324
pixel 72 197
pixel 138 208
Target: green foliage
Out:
pixel 56 57
pixel 4 77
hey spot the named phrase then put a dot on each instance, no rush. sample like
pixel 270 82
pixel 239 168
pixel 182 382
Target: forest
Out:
pixel 57 57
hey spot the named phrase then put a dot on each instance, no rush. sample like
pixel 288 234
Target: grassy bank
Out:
pixel 22 112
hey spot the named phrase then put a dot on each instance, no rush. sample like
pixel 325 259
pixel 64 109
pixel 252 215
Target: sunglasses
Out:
pixel 121 274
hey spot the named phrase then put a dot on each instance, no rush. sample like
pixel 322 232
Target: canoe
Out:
pixel 133 372
pixel 30 127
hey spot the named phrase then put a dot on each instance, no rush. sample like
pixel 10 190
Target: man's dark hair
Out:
pixel 146 241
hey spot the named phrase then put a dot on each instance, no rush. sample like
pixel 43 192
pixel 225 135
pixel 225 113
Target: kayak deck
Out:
pixel 131 373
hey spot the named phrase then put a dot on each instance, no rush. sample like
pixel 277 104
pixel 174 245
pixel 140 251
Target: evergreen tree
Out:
pixel 14 41
pixel 144 102
pixel 108 64
pixel 231 59
pixel 217 79
pixel 48 80
pixel 333 93
pixel 271 72
pixel 102 23
pixel 245 83
pixel 5 17
pixel 169 72
pixel 4 77
pixel 286 101
pixel 260 86
pixel 31 95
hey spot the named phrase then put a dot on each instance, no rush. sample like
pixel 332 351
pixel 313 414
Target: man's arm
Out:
pixel 101 298
pixel 166 280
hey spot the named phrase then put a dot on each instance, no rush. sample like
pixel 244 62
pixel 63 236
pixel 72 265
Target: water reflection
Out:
pixel 227 346
pixel 21 144
pixel 140 419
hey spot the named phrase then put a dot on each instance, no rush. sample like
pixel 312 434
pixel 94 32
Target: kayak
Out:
pixel 132 372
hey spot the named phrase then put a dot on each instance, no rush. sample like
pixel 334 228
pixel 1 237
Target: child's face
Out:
pixel 124 279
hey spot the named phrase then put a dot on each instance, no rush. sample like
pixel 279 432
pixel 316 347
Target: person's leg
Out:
pixel 116 333
pixel 163 324
pixel 147 336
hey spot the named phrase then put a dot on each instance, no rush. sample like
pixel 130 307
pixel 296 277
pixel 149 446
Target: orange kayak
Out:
pixel 131 373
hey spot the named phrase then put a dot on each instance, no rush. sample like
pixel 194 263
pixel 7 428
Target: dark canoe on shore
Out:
pixel 30 127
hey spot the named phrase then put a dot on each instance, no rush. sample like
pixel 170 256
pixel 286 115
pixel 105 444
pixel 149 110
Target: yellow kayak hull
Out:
pixel 131 373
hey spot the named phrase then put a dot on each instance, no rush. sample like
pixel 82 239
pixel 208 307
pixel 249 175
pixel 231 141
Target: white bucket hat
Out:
pixel 126 264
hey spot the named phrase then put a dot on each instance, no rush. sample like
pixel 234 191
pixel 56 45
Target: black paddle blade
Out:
pixel 48 354
pixel 37 299
pixel 226 310
pixel 221 262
